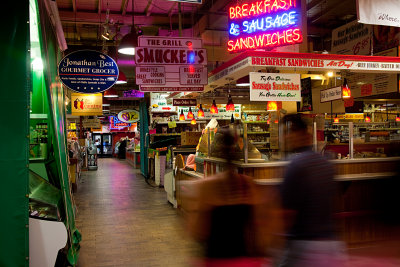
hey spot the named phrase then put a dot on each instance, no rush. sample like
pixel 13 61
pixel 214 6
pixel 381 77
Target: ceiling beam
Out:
pixel 313 3
pixel 149 7
pixel 124 7
pixel 94 19
pixel 334 6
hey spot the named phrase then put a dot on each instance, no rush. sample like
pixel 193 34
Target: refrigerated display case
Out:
pixel 103 142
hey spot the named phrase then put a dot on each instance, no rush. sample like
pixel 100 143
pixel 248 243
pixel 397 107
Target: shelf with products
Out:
pixel 262 132
pixel 255 122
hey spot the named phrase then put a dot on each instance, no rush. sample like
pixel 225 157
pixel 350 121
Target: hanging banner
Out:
pixel 86 104
pixel 88 71
pixel 158 103
pixel 382 12
pixel 264 24
pixel 306 96
pixel 222 113
pixel 128 116
pixel 352 39
pixel 171 64
pixel 274 87
pixel 331 94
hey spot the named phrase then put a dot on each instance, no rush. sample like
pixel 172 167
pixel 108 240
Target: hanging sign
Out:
pixel 128 116
pixel 264 24
pixel 88 71
pixel 352 39
pixel 193 75
pixel 331 94
pixel 383 12
pixel 91 123
pixel 184 102
pixel 86 104
pixel 159 61
pixel 150 75
pixel 274 87
pixel 133 93
pixel 158 103
pixel 222 113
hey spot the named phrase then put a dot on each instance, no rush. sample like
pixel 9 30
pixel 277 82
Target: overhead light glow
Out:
pixel 330 74
pixel 272 106
pixel 37 64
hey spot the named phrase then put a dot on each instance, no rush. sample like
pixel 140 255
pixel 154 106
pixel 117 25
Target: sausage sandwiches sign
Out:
pixel 88 71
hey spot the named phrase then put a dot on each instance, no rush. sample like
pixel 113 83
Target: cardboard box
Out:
pixel 190 138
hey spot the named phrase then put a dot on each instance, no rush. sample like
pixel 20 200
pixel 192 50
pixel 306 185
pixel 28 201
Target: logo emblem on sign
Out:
pixel 128 116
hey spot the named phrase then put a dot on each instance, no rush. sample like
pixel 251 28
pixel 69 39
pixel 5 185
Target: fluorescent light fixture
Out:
pixel 330 74
pixel 37 64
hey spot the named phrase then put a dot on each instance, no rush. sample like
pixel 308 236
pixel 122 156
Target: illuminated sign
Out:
pixel 128 116
pixel 116 124
pixel 264 24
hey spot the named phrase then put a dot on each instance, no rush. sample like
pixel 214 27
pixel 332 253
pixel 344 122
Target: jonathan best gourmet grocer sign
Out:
pixel 88 71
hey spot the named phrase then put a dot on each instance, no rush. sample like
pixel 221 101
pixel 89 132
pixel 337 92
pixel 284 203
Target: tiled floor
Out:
pixel 126 222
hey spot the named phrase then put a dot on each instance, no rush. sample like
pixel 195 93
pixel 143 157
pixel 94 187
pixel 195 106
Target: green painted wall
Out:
pixel 14 107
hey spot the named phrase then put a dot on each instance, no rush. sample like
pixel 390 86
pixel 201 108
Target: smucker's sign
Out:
pixel 88 71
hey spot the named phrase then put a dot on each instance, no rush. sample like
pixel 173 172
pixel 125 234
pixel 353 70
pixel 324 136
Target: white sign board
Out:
pixel 150 75
pixel 172 53
pixel 352 39
pixel 382 12
pixel 158 103
pixel 193 75
pixel 274 87
pixel 222 113
pixel 331 94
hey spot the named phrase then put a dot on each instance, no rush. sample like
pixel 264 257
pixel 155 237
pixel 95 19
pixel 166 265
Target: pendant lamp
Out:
pixel 230 106
pixel 214 108
pixel 232 119
pixel 346 92
pixel 193 121
pixel 190 114
pixel 336 119
pixel 367 118
pixel 200 113
pixel 182 116
pixel 129 42
pixel 121 78
pixel 397 117
pixel 272 106
pixel 110 93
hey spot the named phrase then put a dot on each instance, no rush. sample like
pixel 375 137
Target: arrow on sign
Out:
pixel 166 108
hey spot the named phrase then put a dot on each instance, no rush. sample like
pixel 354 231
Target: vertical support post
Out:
pixel 81 134
pixel 315 136
pixel 245 144
pixel 180 19
pixel 331 112
pixel 351 139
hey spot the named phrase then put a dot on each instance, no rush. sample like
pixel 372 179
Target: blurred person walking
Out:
pixel 307 196
pixel 224 219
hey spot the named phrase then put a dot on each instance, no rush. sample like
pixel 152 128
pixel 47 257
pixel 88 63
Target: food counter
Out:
pixel 133 157
pixel 361 181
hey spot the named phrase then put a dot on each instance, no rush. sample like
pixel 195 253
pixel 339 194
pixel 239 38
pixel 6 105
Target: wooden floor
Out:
pixel 126 222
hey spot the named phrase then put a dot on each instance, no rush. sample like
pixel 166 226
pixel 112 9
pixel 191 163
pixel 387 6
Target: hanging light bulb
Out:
pixel 214 108
pixel 367 118
pixel 232 119
pixel 190 114
pixel 336 119
pixel 272 106
pixel 268 121
pixel 230 106
pixel 346 92
pixel 193 121
pixel 200 113
pixel 397 117
pixel 182 116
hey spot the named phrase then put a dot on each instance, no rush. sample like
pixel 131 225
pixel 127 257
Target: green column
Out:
pixel 14 95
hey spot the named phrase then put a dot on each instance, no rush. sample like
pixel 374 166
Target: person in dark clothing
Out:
pixel 307 194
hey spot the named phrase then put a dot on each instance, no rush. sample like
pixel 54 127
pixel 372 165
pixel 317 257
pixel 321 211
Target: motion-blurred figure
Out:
pixel 307 195
pixel 224 216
